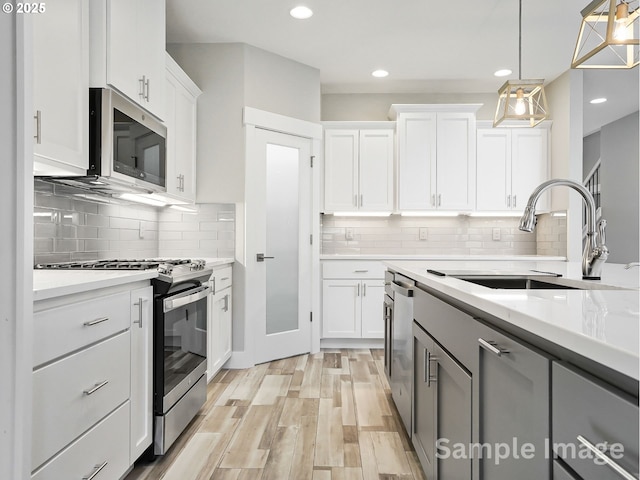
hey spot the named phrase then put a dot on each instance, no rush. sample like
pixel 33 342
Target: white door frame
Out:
pixel 254 118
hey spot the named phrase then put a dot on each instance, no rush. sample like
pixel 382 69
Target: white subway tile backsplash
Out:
pixel 445 235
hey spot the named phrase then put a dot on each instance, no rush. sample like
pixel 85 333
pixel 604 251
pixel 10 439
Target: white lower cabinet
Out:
pixel 92 383
pixel 219 321
pixel 352 298
pixel 141 371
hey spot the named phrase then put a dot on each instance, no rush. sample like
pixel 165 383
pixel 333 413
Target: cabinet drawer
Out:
pixel 65 329
pixel 105 444
pixel 360 269
pixel 68 399
pixel 585 407
pixel 222 278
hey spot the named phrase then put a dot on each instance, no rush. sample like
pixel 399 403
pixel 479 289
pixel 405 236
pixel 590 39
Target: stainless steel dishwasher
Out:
pixel 401 289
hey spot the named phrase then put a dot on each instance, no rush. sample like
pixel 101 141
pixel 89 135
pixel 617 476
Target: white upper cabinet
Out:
pixel 436 157
pixel 511 163
pixel 61 88
pixel 128 50
pixel 358 166
pixel 180 119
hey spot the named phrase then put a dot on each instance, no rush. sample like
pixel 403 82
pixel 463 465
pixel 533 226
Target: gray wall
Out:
pixel 590 153
pixel 619 181
pixel 232 76
pixel 375 106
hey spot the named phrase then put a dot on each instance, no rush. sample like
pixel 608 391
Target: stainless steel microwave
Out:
pixel 126 144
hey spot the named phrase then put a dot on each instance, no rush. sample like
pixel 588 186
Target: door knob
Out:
pixel 261 258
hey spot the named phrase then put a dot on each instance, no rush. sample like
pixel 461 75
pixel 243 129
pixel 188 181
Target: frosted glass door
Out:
pixel 282 238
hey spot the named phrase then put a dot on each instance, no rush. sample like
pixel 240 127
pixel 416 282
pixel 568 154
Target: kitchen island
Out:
pixel 550 367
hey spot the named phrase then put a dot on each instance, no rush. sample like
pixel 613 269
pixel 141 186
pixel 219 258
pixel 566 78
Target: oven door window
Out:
pixel 185 342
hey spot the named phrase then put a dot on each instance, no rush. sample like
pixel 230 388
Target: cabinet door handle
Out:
pixel 598 453
pixel 140 303
pixel 95 388
pixel 146 84
pixel 91 323
pixel 38 135
pixel 492 347
pixel 358 294
pixel 224 278
pixel 364 289
pixel 433 200
pixel 96 471
pixel 439 199
pixel 226 303
pixel 427 370
pixel 515 201
pixel 360 271
pixel 142 84
pixel 508 200
pixel 355 199
pixel 361 200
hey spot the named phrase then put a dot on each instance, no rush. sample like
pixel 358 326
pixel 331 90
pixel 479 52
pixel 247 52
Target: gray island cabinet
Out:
pixel 496 398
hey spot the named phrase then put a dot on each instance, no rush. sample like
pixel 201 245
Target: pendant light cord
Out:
pixel 520 40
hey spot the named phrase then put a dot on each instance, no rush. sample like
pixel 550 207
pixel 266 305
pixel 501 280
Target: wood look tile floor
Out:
pixel 327 416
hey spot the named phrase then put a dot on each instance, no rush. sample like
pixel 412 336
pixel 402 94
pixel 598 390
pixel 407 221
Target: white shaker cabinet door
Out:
pixel 529 166
pixel 493 186
pixel 372 299
pixel 141 371
pixel 341 308
pixel 456 164
pixel 341 150
pixel 60 88
pixel 417 161
pixel 376 170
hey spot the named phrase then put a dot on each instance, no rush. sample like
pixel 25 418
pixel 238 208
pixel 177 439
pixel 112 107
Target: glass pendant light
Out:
pixel 608 35
pixel 522 101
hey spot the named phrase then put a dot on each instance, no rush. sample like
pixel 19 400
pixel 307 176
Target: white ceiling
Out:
pixel 427 46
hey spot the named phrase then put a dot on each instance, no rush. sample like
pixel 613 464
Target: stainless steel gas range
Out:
pixel 179 338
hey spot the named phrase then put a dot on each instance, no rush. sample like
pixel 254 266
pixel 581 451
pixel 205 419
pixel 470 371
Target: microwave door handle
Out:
pixel 170 304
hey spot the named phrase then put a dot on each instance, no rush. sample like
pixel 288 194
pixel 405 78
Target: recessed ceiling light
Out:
pixel 598 100
pixel 380 73
pixel 503 73
pixel 301 12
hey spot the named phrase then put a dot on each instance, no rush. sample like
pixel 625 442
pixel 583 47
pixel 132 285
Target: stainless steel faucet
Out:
pixel 595 252
pixel 632 264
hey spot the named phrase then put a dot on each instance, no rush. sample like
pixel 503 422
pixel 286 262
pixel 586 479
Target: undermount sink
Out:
pixel 517 283
pixel 522 280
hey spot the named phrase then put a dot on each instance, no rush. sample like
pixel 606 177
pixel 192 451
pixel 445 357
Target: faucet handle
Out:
pixel 602 225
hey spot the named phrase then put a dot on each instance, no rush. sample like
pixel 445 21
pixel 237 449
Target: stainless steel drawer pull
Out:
pixel 433 200
pixel 508 200
pixel 515 201
pixel 97 469
pixel 613 465
pixel 492 347
pixel 91 323
pixel 140 304
pixel 226 303
pixel 358 294
pixel 95 388
pixel 360 271
pixel 364 289
pixel 439 199
pixel 224 278
pixel 429 378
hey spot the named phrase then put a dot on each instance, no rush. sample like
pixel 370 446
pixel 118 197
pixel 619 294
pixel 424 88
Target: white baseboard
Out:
pixel 351 343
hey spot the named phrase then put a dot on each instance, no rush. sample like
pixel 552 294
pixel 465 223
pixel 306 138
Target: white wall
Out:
pixel 564 96
pixel 375 106
pixel 16 191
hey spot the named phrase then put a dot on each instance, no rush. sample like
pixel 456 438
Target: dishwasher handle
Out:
pixel 406 291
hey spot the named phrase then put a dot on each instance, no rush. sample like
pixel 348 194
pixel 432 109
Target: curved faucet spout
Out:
pixel 595 251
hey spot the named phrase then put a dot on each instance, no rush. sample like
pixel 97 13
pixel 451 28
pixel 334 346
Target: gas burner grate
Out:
pixel 116 264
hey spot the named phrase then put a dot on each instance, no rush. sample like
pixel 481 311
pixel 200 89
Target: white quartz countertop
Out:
pixel 602 324
pixel 56 283
pixel 218 262
pixel 442 257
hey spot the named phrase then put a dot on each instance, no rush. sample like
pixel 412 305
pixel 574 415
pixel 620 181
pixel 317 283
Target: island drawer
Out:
pixel 353 269
pixel 587 413
pixel 72 394
pixel 61 330
pixel 104 447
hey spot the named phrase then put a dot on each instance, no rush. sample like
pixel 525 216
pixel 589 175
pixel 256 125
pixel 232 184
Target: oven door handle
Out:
pixel 173 303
